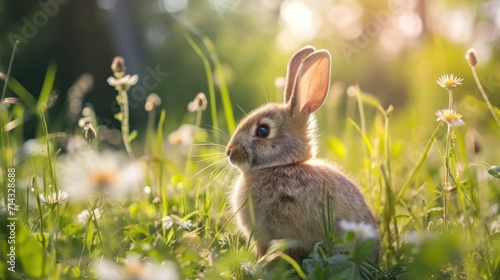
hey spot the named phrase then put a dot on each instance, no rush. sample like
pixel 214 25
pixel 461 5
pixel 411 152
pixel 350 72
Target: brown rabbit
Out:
pixel 274 146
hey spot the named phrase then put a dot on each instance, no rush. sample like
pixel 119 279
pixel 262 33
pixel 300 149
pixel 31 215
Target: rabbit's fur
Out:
pixel 280 175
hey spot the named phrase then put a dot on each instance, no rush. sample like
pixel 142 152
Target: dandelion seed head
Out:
pixel 147 189
pixel 449 81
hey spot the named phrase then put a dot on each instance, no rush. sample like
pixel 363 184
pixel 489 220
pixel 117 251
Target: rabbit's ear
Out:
pixel 312 83
pixel 293 68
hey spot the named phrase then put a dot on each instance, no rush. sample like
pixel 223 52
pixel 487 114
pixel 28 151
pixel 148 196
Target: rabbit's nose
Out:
pixel 228 152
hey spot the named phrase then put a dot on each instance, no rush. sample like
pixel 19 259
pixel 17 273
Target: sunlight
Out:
pixel 410 24
pixel 301 24
pixel 174 6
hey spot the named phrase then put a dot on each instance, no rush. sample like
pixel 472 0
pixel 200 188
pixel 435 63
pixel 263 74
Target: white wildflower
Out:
pixel 84 216
pixel 450 117
pixel 169 221
pixel 362 230
pixel 86 173
pixel 53 198
pixel 123 83
pixel 183 136
pixel 135 269
pixel 449 81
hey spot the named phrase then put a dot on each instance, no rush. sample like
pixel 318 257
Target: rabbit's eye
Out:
pixel 263 131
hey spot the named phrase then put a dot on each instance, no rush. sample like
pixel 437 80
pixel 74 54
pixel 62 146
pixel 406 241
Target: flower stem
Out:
pixel 450 99
pixel 190 149
pixel 485 97
pixel 124 121
pixel 446 176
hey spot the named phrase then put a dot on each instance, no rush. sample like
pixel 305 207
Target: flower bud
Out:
pixel 118 65
pixel 471 57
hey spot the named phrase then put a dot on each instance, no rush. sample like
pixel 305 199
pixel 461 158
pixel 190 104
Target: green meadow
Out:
pixel 132 181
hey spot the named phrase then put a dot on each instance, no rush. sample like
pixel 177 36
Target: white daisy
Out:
pixel 449 81
pixel 450 117
pixel 169 221
pixel 85 215
pixel 53 198
pixel 362 230
pixel 135 269
pixel 86 173
pixel 417 240
pixel 123 83
pixel 183 136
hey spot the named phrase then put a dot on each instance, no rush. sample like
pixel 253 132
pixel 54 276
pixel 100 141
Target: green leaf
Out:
pixel 48 84
pixel 363 251
pixel 366 140
pixel 72 272
pixel 369 99
pixel 119 116
pixel 132 136
pixel 177 179
pixel 31 253
pixel 336 146
pixel 72 229
pixel 23 93
pixel 89 236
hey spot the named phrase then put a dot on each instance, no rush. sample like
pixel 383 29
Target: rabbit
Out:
pixel 280 192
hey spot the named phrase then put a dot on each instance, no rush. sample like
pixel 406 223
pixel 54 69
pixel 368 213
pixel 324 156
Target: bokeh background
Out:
pixel 394 50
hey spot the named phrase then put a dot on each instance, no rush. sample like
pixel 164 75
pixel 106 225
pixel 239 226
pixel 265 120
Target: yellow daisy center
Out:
pixel 451 116
pixel 450 83
pixel 104 179
pixel 135 270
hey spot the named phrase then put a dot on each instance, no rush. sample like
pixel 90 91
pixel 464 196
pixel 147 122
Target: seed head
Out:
pixel 118 65
pixel 199 103
pixel 471 57
pixel 152 102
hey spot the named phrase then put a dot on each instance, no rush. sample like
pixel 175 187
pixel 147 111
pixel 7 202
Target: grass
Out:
pixel 437 211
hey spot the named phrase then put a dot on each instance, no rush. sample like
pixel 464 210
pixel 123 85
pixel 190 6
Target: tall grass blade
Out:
pixel 23 93
pixel 6 82
pixel 224 92
pixel 420 162
pixel 48 84
pixel 210 79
